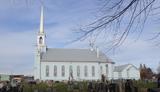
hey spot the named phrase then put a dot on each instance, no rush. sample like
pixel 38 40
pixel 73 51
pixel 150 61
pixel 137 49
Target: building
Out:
pixel 4 77
pixel 76 64
pixel 17 78
pixel 127 71
pixel 69 64
pixel 146 72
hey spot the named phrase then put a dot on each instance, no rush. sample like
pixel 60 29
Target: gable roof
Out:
pixel 73 55
pixel 120 68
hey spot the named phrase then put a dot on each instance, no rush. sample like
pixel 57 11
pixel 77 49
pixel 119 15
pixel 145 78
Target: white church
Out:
pixel 75 64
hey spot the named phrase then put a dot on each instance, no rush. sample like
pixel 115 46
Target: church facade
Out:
pixel 73 64
pixel 69 64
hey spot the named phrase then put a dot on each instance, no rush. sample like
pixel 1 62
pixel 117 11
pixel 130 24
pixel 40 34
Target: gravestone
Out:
pixel 128 86
pixel 106 87
pixel 112 87
pixel 153 90
pixel 90 87
pixel 158 82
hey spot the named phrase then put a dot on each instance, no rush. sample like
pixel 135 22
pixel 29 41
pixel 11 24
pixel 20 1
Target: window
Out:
pixel 55 70
pixel 120 74
pixel 63 71
pixel 40 40
pixel 93 71
pixel 106 68
pixel 127 73
pixel 101 69
pixel 70 70
pixel 85 71
pixel 47 71
pixel 78 71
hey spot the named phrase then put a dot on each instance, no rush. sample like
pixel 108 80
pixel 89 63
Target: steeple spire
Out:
pixel 41 30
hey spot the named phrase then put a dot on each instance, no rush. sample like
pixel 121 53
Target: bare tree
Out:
pixel 119 18
pixel 158 68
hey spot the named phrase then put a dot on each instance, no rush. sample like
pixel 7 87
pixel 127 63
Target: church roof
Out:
pixel 122 67
pixel 73 55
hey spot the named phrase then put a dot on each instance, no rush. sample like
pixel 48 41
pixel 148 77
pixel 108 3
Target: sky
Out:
pixel 19 24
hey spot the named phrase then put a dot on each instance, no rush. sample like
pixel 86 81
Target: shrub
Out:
pixel 28 87
pixel 142 84
pixel 60 87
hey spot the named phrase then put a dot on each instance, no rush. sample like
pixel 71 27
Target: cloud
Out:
pixel 131 51
pixel 19 23
pixel 138 52
pixel 17 51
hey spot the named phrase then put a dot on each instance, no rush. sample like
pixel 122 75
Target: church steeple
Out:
pixel 41 21
pixel 41 34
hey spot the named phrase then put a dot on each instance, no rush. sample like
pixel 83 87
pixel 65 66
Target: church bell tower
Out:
pixel 40 47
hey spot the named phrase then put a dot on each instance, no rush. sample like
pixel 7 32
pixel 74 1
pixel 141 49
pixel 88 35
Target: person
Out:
pixel 103 77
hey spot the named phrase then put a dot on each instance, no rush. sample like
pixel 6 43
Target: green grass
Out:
pixel 142 84
pixel 60 87
pixel 79 86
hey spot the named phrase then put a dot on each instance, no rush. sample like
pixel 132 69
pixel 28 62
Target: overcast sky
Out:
pixel 19 24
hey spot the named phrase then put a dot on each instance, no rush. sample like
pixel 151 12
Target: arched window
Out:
pixel 78 71
pixel 55 70
pixel 106 68
pixel 93 71
pixel 40 40
pixel 47 71
pixel 101 68
pixel 85 71
pixel 71 71
pixel 63 71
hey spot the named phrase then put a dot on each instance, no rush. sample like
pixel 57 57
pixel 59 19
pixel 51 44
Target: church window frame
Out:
pixel 63 70
pixel 101 69
pixel 47 70
pixel 85 71
pixel 93 71
pixel 55 71
pixel 106 68
pixel 78 71
pixel 71 71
